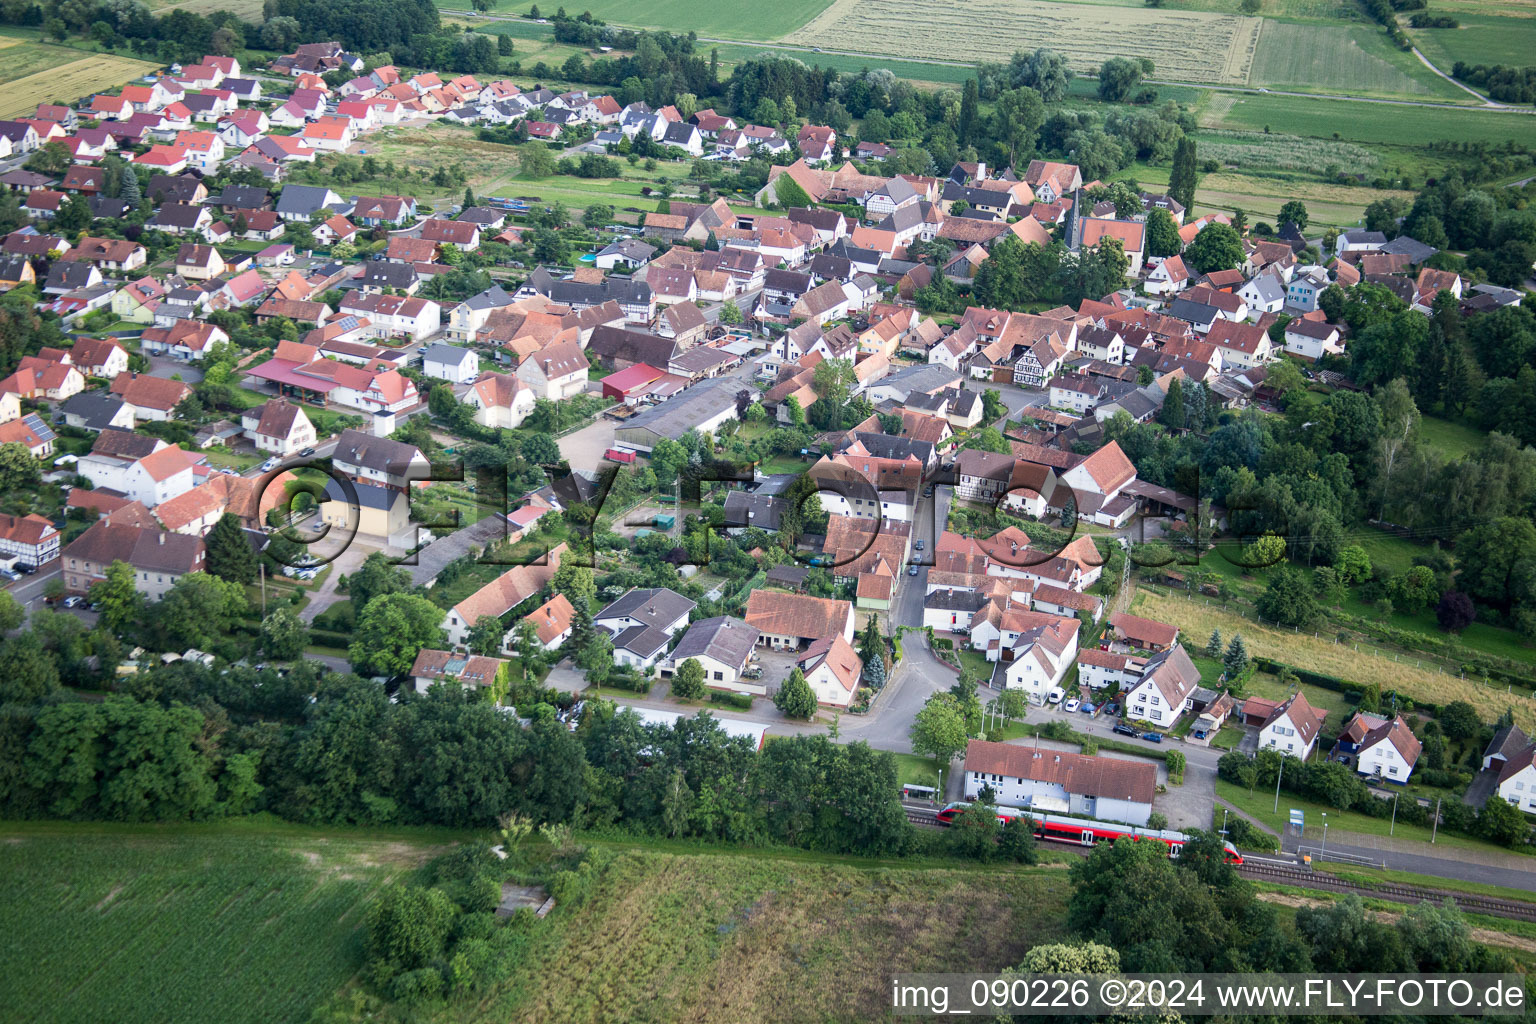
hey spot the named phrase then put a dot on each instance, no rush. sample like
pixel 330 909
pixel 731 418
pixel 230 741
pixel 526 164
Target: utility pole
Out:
pixel 1278 776
pixel 1393 826
pixel 1323 853
pixel 1436 826
pixel 261 567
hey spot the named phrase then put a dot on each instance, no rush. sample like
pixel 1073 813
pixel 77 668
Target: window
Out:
pixel 1392 770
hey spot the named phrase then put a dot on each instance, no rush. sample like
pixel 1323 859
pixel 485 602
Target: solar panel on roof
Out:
pixel 455 666
pixel 38 427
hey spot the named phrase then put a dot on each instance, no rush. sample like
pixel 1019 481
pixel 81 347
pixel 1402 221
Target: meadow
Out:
pixel 1088 35
pixel 1255 150
pixel 1413 677
pixel 235 922
pixel 1364 122
pixel 1354 60
pixel 1482 38
pixel 734 19
pixel 668 937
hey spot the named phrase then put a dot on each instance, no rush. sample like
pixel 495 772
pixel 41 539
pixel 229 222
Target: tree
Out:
pixel 120 601
pixel 534 160
pixel 1353 565
pixel 485 636
pixel 392 631
pixel 198 610
pixel 1236 658
pixel 1162 233
pixel 575 582
pixel 938 730
pixel 1496 559
pixel 1185 174
pixel 730 313
pixel 1501 822
pixel 1216 247
pixel 1455 612
pixel 409 926
pixel 1332 301
pixel 377 576
pixel 1016 842
pixel 230 556
pixel 283 634
pixel 688 680
pixel 18 469
pixel 540 449
pixel 12 614
pixel 1413 590
pixel 1287 598
pixel 1213 645
pixel 1044 71
pixel 1020 113
pixel 1294 212
pixel 795 698
pixel 1459 720
pixel 970 108
pixel 1172 412
pixel 1118 76
pixel 27 672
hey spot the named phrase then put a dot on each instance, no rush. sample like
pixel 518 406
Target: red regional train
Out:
pixel 1085 831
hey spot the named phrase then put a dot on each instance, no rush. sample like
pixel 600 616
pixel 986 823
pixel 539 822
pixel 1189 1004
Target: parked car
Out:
pixel 1054 697
pixel 1073 704
pixel 919 544
pixel 1112 709
pixel 1087 709
pixel 73 602
pixel 307 452
pixel 1125 730
pixel 1152 737
pixel 911 570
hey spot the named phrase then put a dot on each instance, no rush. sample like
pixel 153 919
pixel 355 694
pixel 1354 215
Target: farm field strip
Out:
pixel 69 81
pixel 994 29
pixel 21 59
pixel 1481 39
pixel 1363 122
pixel 1346 59
pixel 741 18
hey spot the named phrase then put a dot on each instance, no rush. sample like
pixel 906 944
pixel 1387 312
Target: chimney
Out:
pixel 161 536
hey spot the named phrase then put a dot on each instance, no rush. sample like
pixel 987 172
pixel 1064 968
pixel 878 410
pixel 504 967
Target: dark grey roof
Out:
pixel 755 509
pixel 450 354
pixel 685 410
pixel 1193 312
pixel 789 281
pixel 658 607
pixel 615 343
pixel 124 444
pixel 1415 250
pixel 244 197
pixel 108 208
pixel 388 275
pixel 884 446
pixel 64 276
pixel 727 640
pixel 302 199
pixel 494 297
pixel 366 495
pixel 679 133
pixel 95 408
pixel 954 600
pixel 377 453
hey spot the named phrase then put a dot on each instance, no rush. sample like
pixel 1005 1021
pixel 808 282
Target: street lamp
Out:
pixel 1323 853
pixel 1224 812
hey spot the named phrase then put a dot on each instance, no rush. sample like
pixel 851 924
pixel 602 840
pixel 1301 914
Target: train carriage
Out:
pixel 1085 831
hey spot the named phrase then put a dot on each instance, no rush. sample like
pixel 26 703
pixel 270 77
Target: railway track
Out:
pixel 927 819
pixel 1493 906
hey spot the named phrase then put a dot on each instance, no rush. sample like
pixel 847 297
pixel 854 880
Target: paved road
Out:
pixel 918 677
pixel 1517 873
pixel 165 366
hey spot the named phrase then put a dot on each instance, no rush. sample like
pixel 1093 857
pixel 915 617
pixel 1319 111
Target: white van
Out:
pixel 1055 695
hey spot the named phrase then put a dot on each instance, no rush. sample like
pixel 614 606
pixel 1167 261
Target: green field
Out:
pixel 1353 60
pixel 1481 39
pixel 1452 439
pixel 241 921
pixel 19 58
pixel 733 19
pixel 1369 123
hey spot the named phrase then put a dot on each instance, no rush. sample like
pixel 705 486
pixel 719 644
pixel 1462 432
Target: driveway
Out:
pixel 584 448
pixel 325 595
pixel 165 366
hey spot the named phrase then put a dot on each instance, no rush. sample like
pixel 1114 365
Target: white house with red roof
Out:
pixel 1162 694
pixel 1293 727
pixel 394 315
pixel 1097 484
pixel 30 538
